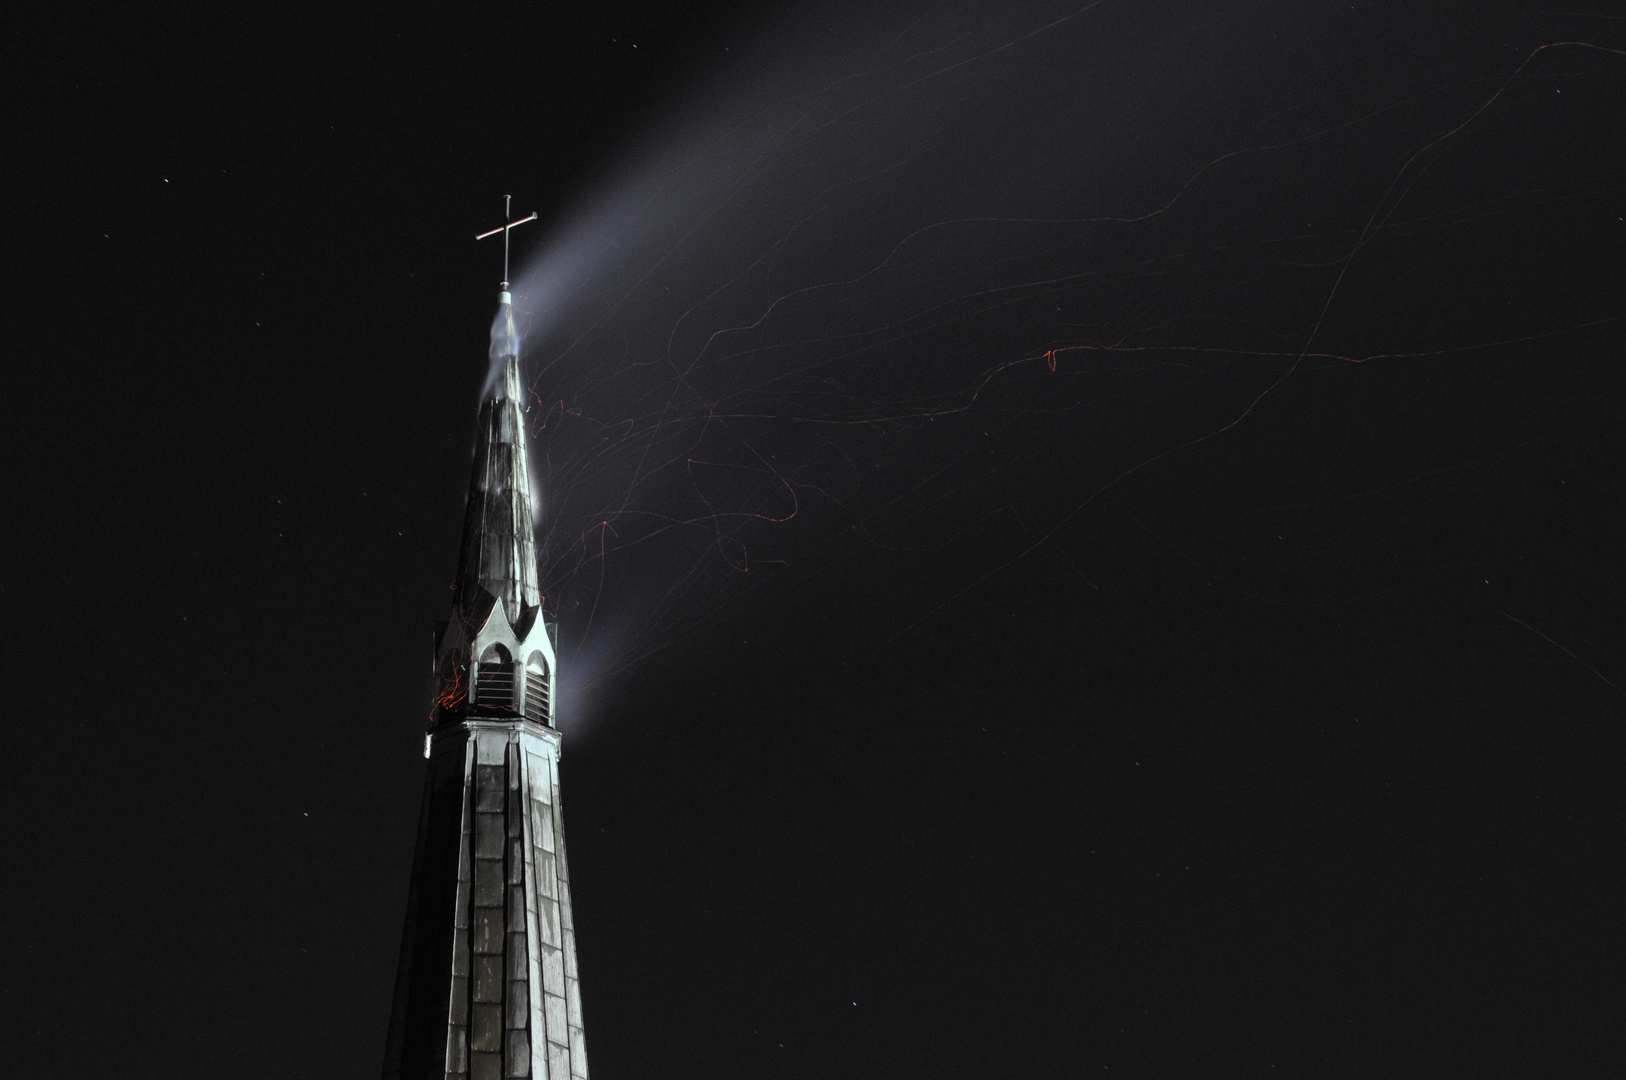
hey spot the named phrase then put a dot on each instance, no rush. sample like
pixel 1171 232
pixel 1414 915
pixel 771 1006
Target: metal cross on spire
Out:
pixel 507 209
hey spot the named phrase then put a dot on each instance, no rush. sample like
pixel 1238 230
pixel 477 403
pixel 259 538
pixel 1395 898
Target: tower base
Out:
pixel 488 987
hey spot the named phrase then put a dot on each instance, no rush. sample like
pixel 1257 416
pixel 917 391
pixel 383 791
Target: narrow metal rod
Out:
pixel 510 225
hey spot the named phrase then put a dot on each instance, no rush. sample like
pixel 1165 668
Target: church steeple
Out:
pixel 487 986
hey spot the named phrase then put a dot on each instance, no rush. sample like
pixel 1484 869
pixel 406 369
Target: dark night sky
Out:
pixel 1195 649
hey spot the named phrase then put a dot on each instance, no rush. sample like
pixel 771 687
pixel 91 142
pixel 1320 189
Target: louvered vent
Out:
pixel 495 686
pixel 536 695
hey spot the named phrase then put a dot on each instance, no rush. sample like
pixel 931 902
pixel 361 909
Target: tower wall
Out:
pixel 488 983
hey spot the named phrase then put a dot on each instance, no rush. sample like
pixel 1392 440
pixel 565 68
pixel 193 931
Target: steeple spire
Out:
pixel 487 987
pixel 498 559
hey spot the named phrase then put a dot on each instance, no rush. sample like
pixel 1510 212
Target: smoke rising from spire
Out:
pixel 931 281
pixel 504 345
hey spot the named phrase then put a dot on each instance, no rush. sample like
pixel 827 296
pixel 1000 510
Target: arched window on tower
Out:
pixel 538 699
pixel 494 688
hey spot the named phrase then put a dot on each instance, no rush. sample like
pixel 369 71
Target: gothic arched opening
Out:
pixel 494 685
pixel 538 696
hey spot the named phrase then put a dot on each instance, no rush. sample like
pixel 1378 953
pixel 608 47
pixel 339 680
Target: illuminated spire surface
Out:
pixel 487 986
pixel 498 559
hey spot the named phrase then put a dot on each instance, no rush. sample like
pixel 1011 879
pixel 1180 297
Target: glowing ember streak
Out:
pixel 451 696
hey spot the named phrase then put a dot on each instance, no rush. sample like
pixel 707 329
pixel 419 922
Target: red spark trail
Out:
pixel 1383 209
pixel 784 328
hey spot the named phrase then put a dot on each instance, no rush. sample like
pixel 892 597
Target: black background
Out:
pixel 1297 752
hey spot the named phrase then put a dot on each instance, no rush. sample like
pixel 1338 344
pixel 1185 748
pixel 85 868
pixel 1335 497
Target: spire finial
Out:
pixel 507 209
